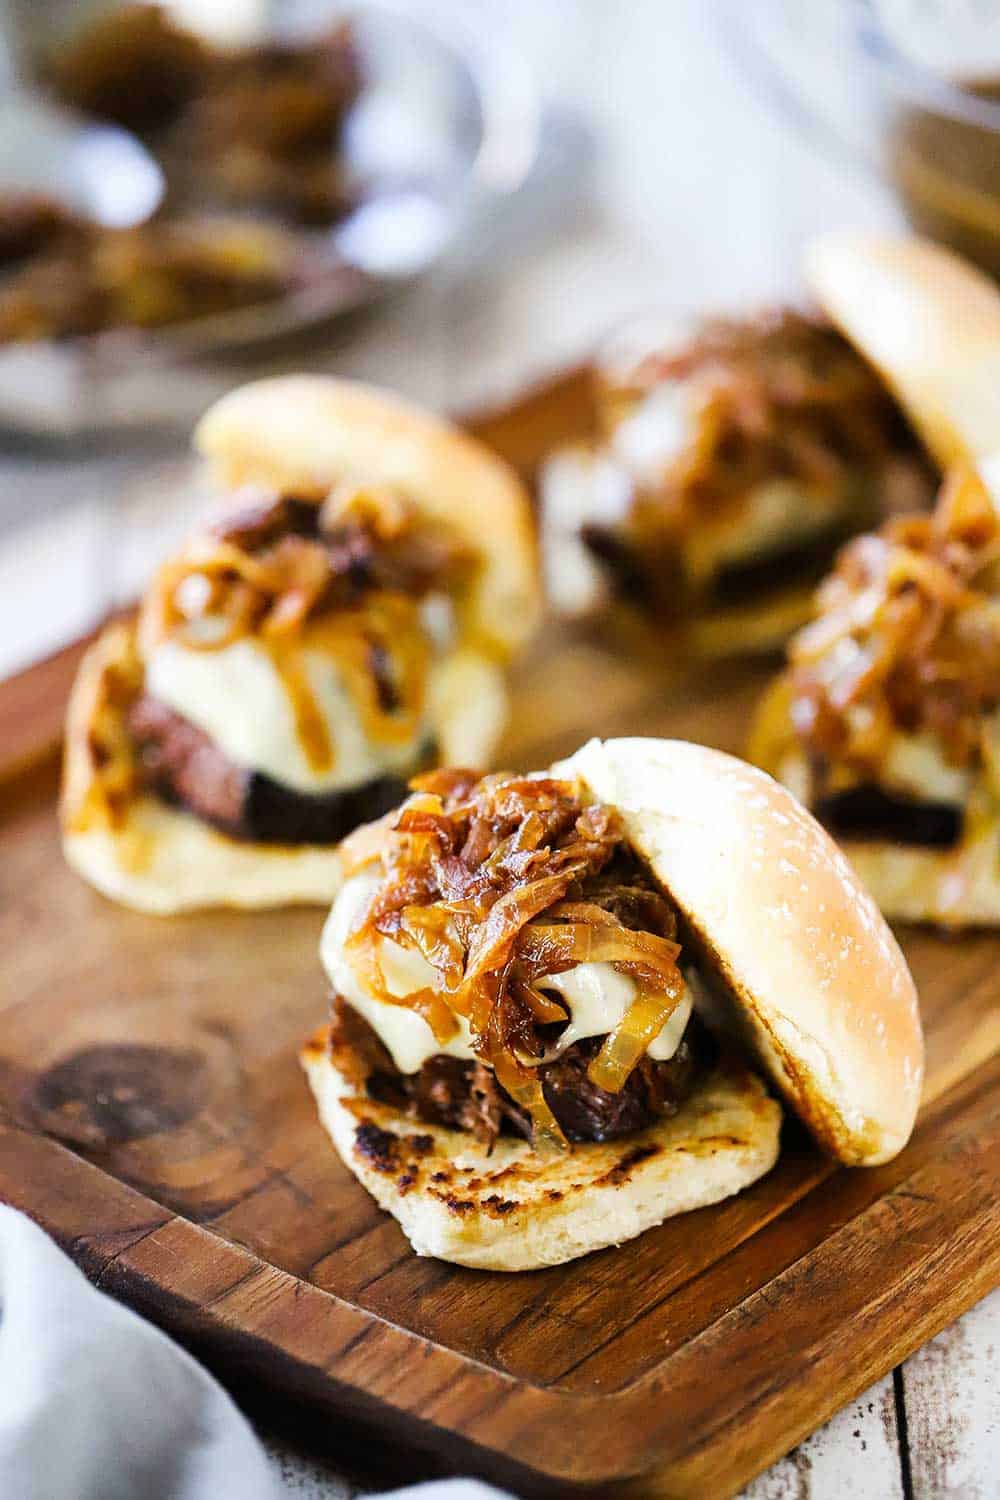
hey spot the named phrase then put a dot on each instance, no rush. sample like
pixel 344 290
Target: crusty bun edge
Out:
pixel 815 980
pixel 513 1209
pixel 304 433
pixel 163 861
pixel 929 322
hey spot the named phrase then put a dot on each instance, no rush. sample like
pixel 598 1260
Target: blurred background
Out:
pixel 451 199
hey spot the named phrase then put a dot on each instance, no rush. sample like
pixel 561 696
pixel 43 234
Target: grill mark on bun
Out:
pixel 623 1169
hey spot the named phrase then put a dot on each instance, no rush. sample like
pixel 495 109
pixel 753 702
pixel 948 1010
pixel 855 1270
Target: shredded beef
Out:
pixel 181 764
pixel 466 1096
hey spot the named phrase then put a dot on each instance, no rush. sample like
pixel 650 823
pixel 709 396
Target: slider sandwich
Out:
pixel 556 998
pixel 729 464
pixel 886 721
pixel 341 625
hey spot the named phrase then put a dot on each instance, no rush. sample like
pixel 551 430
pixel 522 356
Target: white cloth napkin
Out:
pixel 97 1404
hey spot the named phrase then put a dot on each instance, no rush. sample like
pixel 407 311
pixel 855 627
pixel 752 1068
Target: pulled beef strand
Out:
pixel 497 883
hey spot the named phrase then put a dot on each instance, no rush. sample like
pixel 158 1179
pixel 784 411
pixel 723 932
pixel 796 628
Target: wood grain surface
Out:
pixel 153 1116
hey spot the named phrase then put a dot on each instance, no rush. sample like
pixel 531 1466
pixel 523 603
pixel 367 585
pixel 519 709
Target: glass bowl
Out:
pixel 446 126
pixel 909 89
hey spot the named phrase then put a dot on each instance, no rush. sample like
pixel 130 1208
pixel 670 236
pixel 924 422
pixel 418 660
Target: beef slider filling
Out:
pixel 501 885
pixel 179 763
pixel 780 398
pixel 905 651
pixel 465 1095
pixel 271 569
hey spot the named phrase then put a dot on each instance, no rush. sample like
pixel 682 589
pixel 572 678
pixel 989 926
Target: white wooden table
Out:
pixel 699 197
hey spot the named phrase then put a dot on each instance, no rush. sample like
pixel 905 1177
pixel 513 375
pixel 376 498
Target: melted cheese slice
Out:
pixel 596 995
pixel 405 1035
pixel 656 431
pixel 578 485
pixel 236 695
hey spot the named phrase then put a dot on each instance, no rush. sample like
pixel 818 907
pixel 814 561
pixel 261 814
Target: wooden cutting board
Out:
pixel 154 1118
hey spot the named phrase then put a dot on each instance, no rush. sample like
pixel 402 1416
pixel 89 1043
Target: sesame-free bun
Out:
pixel 161 859
pixel 514 1209
pixel 929 322
pixel 805 964
pixel 306 433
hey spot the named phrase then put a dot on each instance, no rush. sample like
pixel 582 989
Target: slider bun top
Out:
pixel 811 976
pixel 305 433
pixel 929 322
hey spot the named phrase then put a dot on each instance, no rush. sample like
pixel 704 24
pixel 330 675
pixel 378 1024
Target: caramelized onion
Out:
pixel 497 883
pixel 493 942
pixel 640 1025
pixel 544 950
pixel 907 639
pixel 525 1088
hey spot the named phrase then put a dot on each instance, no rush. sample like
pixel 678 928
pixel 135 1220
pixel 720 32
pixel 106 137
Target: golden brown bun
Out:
pixel 163 860
pixel 815 980
pixel 513 1209
pixel 304 433
pixel 950 887
pixel 930 322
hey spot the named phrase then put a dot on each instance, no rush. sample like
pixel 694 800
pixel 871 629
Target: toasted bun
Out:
pixel 163 861
pixel 815 980
pixel 930 323
pixel 306 432
pixel 949 887
pixel 514 1210
pixel 160 859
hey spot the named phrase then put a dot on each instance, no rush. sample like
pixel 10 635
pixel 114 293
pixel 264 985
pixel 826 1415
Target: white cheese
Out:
pixel 235 694
pixel 916 766
pixel 578 486
pixel 596 995
pixel 407 1036
pixel 773 517
pixel 581 485
pixel 656 431
pixel 989 473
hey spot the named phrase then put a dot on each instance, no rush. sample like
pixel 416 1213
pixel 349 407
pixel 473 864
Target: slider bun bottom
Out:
pixel 516 1210
pixel 161 860
pixel 948 887
pixel 756 629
